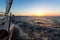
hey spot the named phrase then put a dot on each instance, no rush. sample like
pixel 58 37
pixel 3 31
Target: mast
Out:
pixel 8 7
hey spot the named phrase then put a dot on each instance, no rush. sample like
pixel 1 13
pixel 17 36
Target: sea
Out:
pixel 50 21
pixel 36 28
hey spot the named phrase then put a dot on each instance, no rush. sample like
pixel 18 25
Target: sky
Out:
pixel 33 7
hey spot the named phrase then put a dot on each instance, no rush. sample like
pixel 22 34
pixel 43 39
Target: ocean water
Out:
pixel 37 28
pixel 50 22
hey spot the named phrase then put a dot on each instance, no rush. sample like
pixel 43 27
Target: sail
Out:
pixel 8 6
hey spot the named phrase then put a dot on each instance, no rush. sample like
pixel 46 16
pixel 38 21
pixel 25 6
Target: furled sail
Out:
pixel 8 6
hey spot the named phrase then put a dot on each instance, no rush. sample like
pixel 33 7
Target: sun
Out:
pixel 39 14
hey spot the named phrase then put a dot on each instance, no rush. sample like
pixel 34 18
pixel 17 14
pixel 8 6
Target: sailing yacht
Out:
pixel 10 30
pixel 5 27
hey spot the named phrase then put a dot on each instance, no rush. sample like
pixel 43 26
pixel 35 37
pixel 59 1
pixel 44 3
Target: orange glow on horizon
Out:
pixel 38 14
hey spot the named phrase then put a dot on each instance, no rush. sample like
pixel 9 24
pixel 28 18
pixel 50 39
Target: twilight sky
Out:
pixel 33 7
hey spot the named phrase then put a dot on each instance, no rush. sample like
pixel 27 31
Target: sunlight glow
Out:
pixel 39 14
